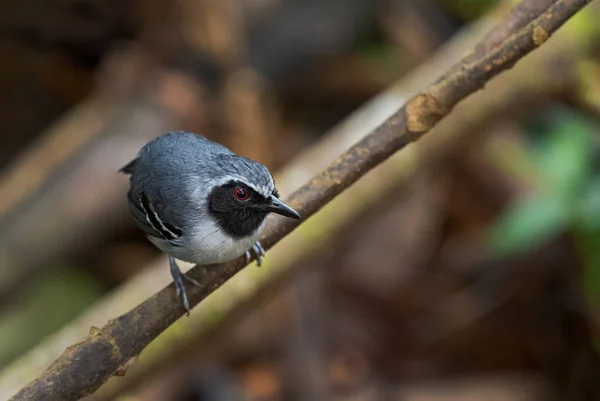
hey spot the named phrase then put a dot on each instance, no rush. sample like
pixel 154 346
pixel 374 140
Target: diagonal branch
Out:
pixel 85 366
pixel 519 16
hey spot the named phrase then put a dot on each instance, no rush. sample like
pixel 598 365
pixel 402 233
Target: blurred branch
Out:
pixel 417 27
pixel 122 339
pixel 47 197
pixel 67 137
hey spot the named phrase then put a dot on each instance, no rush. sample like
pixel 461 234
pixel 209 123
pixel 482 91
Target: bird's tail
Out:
pixel 129 167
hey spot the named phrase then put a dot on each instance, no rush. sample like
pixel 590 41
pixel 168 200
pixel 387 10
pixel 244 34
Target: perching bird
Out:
pixel 199 202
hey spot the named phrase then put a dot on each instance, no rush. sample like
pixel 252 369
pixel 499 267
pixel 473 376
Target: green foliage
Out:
pixel 568 198
pixel 569 192
pixel 527 224
pixel 565 162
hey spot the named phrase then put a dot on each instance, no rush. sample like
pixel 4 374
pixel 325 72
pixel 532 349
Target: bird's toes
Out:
pixel 182 293
pixel 258 252
pixel 186 304
pixel 184 298
pixel 190 280
pixel 260 248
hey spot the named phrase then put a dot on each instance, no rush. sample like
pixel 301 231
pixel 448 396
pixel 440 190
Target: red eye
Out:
pixel 241 194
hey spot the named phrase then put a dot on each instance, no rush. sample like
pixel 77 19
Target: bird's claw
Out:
pixel 258 251
pixel 190 280
pixel 258 246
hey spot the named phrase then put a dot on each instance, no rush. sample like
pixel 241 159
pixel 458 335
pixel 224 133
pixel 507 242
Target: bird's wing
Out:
pixel 160 176
pixel 150 221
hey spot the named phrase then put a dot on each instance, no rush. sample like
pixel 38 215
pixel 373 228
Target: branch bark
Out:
pixel 520 15
pixel 85 366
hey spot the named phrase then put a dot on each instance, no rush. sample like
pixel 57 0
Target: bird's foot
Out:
pixel 178 279
pixel 190 280
pixel 258 252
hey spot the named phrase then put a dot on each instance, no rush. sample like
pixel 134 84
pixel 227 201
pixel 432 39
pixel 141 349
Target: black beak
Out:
pixel 279 207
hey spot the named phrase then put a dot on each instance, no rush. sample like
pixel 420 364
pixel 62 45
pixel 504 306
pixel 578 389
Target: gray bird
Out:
pixel 199 202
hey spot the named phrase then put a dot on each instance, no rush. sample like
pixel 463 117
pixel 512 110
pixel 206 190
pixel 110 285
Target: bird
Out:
pixel 199 202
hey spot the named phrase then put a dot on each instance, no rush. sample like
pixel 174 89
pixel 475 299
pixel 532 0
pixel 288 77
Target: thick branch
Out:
pixel 87 365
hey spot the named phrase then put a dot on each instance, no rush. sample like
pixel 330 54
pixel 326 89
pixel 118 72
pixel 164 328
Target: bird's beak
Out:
pixel 279 207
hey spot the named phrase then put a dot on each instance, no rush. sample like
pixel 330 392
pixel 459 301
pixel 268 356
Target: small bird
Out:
pixel 199 202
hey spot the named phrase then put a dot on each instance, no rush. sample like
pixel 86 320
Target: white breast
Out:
pixel 208 244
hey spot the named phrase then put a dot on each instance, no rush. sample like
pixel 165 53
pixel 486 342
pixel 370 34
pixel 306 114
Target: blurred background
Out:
pixel 467 267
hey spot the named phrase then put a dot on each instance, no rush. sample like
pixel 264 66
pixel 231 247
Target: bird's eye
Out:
pixel 241 194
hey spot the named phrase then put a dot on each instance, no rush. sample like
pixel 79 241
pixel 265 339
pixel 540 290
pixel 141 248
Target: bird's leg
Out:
pixel 258 251
pixel 178 278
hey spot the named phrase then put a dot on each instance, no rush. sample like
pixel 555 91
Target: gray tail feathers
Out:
pixel 129 167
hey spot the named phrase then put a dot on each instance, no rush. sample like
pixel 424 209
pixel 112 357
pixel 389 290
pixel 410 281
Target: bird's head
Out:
pixel 241 199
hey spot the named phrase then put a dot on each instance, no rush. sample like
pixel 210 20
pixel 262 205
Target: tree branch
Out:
pixel 520 15
pixel 513 94
pixel 85 366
